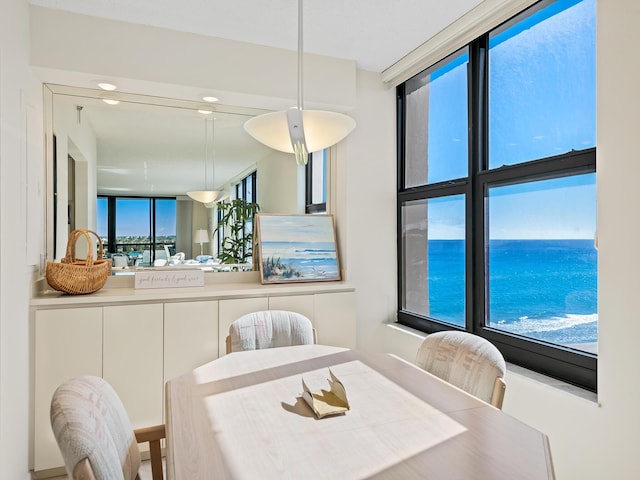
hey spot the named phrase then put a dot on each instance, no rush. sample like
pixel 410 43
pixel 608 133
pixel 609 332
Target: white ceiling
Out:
pixel 374 33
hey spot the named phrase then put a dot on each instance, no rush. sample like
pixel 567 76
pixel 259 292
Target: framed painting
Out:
pixel 296 248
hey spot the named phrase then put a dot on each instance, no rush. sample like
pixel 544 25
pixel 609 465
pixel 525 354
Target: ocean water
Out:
pixel 543 289
pixel 314 260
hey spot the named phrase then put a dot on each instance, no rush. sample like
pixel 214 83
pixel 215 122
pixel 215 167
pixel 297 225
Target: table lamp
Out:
pixel 201 236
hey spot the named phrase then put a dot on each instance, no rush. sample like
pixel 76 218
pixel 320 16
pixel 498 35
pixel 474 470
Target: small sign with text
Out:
pixel 169 278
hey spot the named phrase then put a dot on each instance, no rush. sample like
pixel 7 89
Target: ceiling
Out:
pixel 374 33
pixel 159 146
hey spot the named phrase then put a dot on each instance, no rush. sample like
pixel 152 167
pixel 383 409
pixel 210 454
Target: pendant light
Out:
pixel 297 130
pixel 208 197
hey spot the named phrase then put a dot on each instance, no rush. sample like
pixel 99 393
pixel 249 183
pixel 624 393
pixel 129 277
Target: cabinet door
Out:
pixel 302 304
pixel 133 360
pixel 68 343
pixel 335 319
pixel 190 336
pixel 229 310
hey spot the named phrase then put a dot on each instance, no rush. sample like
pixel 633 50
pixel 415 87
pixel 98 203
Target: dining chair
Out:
pixel 467 361
pixel 95 435
pixel 269 329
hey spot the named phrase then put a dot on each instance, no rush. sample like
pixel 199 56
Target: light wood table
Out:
pixel 241 416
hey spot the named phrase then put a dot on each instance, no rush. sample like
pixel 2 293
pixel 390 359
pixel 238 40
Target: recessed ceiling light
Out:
pixel 110 101
pixel 107 86
pixel 210 99
pixel 205 112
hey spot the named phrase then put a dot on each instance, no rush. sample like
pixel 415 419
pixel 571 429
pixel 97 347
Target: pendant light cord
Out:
pixel 300 106
pixel 213 153
pixel 206 153
pixel 209 148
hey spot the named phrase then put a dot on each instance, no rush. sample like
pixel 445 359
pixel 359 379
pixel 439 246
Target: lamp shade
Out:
pixel 321 129
pixel 206 196
pixel 201 236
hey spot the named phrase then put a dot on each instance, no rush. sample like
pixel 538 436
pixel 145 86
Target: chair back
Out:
pixel 90 422
pixel 269 329
pixel 467 361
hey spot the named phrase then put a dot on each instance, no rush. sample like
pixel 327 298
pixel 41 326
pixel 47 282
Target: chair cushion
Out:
pixel 89 421
pixel 465 360
pixel 269 329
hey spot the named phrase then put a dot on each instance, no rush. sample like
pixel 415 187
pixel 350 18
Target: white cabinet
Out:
pixel 68 343
pixel 132 359
pixel 335 317
pixel 302 304
pixel 190 336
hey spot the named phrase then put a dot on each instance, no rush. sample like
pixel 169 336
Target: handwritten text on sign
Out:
pixel 169 279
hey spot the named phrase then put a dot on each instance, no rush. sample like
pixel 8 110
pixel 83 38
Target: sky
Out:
pixel 296 228
pixel 133 217
pixel 541 103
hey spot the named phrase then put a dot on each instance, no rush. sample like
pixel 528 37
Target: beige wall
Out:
pixel 589 441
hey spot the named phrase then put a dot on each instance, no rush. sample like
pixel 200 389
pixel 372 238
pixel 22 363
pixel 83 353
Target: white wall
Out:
pixel 20 102
pixel 238 73
pixel 75 138
pixel 366 207
pixel 278 185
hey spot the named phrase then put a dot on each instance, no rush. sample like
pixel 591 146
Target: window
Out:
pixel 496 191
pixel 316 183
pixel 247 190
pixel 140 227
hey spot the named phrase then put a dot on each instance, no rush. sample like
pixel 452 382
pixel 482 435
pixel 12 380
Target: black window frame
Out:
pixel 571 365
pixel 311 207
pixel 240 190
pixel 111 246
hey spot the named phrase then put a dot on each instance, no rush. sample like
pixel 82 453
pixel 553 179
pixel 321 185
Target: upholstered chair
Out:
pixel 269 329
pixel 95 436
pixel 467 361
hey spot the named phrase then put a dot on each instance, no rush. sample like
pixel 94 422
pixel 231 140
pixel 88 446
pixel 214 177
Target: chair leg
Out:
pixel 498 393
pixel 156 459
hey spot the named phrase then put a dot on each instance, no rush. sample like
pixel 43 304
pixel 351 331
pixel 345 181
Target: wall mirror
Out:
pixel 134 147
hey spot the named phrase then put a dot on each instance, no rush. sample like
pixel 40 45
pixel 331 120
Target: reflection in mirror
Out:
pixel 123 169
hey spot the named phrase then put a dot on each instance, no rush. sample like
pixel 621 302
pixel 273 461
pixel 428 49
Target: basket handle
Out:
pixel 70 255
pixel 100 248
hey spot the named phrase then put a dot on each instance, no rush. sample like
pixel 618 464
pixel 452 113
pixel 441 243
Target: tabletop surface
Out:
pixel 242 416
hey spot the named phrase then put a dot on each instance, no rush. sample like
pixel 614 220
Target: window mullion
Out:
pixel 478 124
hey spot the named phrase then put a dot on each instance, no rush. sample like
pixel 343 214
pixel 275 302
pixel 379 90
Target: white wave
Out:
pixel 526 324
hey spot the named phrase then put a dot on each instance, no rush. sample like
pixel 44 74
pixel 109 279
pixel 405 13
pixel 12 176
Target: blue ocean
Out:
pixel 544 289
pixel 312 259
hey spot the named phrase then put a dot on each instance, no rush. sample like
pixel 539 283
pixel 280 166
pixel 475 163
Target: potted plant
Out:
pixel 237 242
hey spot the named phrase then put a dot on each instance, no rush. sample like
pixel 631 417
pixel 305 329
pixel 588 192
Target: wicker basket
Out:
pixel 79 276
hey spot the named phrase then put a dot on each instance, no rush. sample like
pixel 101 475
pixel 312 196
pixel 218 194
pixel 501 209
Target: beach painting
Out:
pixel 297 248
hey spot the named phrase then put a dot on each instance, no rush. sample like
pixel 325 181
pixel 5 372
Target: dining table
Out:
pixel 242 416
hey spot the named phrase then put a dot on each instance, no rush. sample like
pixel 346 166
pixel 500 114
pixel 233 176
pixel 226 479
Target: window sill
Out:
pixel 553 382
pixel 407 340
